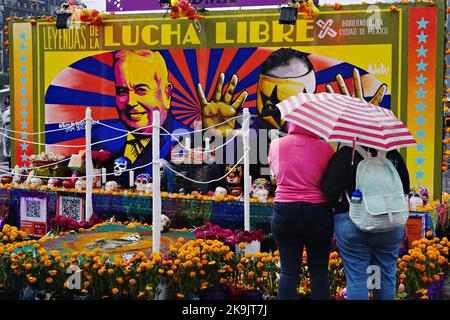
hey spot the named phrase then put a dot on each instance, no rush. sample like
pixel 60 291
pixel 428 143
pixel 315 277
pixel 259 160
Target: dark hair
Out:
pixel 283 57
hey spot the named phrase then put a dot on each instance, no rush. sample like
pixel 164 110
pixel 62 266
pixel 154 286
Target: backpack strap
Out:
pixel 365 154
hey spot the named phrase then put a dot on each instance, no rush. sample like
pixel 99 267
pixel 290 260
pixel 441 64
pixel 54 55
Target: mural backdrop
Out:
pixel 199 75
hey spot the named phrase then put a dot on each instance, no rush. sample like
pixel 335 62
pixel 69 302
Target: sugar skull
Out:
pixel 220 192
pixel 415 201
pixel 165 223
pixel 148 188
pixel 35 182
pixel 111 186
pixel 260 183
pixel 120 165
pixel 53 182
pixel 261 194
pixel 80 185
pixel 142 180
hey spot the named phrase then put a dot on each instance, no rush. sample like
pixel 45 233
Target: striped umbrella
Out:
pixel 336 117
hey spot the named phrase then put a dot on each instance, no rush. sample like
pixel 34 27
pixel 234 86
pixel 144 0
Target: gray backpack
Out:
pixel 384 206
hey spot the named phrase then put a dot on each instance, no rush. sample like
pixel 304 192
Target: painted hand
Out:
pixel 376 99
pixel 221 108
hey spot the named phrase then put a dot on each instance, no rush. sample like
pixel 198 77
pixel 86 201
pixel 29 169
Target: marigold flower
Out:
pixel 115 291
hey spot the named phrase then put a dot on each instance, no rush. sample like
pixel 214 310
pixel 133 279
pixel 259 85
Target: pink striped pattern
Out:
pixel 336 117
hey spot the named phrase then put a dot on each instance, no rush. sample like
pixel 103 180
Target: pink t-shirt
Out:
pixel 298 162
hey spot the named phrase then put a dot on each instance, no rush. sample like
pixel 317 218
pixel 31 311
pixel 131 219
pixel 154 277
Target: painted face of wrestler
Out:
pixel 281 83
pixel 142 86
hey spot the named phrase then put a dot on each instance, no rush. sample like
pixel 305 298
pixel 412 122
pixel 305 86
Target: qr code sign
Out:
pixel 32 208
pixel 71 207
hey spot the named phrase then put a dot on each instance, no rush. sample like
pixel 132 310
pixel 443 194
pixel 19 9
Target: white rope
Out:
pixel 237 132
pixel 180 134
pixel 66 145
pixel 214 180
pixel 80 177
pixel 40 132
pixel 118 137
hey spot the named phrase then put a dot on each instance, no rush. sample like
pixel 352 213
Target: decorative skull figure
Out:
pixel 111 186
pixel 52 183
pixel 148 188
pixel 120 165
pixel 220 192
pixel 260 189
pixel 165 223
pixel 142 180
pixel 36 182
pixel 415 201
pixel 80 185
pixel 260 183
pixel 261 194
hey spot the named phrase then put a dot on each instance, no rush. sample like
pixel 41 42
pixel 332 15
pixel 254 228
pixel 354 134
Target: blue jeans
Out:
pixel 359 250
pixel 296 225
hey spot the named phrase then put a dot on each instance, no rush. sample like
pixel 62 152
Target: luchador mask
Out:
pixel 272 90
pixel 120 165
pixel 234 175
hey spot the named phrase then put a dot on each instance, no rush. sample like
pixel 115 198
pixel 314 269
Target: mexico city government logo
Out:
pixel 325 28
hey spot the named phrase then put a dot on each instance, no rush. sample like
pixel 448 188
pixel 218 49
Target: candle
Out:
pixel 103 175
pixel 187 151
pixel 131 178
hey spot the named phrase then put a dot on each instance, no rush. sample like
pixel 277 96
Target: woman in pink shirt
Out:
pixel 301 216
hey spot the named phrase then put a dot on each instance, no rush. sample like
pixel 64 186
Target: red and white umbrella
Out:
pixel 336 117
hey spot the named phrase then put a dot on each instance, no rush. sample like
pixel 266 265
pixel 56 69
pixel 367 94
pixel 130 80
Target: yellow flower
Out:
pixel 259 265
pixel 132 282
pixel 242 245
pixel 49 280
pixel 192 274
pixel 53 272
pixel 170 273
pixel 32 279
pixel 180 295
pixel 115 291
pixel 47 263
pixel 119 280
